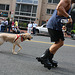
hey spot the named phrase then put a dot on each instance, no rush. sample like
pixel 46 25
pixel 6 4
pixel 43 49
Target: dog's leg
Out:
pixel 13 51
pixel 1 41
pixel 19 47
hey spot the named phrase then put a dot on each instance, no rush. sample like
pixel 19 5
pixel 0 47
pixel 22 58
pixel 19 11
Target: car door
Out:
pixel 43 29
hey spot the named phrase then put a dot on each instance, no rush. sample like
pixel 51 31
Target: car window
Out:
pixel 44 26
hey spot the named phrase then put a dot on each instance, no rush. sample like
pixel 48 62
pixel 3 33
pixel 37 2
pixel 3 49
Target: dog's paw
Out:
pixel 18 51
pixel 14 52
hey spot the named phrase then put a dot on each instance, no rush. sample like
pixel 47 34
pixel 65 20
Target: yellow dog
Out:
pixel 15 39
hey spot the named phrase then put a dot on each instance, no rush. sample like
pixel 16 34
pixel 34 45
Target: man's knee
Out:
pixel 61 43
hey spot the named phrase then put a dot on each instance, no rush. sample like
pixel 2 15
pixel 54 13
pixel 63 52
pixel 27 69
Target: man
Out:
pixel 34 27
pixel 2 25
pixel 29 28
pixel 6 24
pixel 54 26
pixel 10 24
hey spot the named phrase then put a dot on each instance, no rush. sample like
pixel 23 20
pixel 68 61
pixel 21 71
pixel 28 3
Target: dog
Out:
pixel 15 39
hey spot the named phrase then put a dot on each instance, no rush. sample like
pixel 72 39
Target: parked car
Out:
pixel 42 29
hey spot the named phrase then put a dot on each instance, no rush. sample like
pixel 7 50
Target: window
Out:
pixel 49 1
pixel 3 14
pixel 17 13
pixel 17 7
pixel 35 1
pixel 23 18
pixel 4 7
pixel 50 11
pixel 44 26
pixel 34 15
pixel 53 1
pixel 56 1
pixel 32 19
pixel 28 1
pixel 18 0
pixel 34 9
pixel 26 8
pixel 25 14
pixel 7 7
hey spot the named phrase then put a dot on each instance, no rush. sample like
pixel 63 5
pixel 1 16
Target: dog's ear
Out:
pixel 24 36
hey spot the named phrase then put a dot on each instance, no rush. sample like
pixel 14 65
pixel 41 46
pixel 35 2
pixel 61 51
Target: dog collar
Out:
pixel 17 37
pixel 22 39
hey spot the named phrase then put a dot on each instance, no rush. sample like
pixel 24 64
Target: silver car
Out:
pixel 42 29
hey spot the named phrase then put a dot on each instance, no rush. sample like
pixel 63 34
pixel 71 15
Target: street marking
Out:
pixel 51 43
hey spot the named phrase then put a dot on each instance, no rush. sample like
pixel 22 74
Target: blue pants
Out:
pixel 2 28
pixel 34 30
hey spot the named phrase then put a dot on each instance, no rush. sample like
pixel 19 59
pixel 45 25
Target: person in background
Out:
pixel 16 24
pixel 64 31
pixel 0 26
pixel 34 27
pixel 13 26
pixel 6 24
pixel 10 24
pixel 16 27
pixel 1 13
pixel 29 28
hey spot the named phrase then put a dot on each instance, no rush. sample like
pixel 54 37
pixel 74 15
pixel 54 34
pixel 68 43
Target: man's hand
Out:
pixel 70 20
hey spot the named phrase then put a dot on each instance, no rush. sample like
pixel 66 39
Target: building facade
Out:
pixel 28 10
pixel 7 7
pixel 20 10
pixel 45 10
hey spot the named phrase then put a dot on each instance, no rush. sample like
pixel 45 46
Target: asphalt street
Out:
pixel 25 63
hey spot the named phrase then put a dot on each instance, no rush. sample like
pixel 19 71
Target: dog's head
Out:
pixel 27 36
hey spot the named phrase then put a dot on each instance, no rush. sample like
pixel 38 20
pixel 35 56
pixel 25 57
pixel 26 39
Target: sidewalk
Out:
pixel 25 31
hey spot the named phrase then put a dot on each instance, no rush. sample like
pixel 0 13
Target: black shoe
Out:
pixel 44 59
pixel 54 63
pixel 45 62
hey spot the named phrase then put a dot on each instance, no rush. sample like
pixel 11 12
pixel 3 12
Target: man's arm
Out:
pixel 62 7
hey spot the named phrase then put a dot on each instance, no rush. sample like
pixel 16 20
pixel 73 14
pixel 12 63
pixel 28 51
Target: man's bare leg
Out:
pixel 56 46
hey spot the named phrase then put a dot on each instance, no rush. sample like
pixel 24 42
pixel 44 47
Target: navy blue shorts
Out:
pixel 55 35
